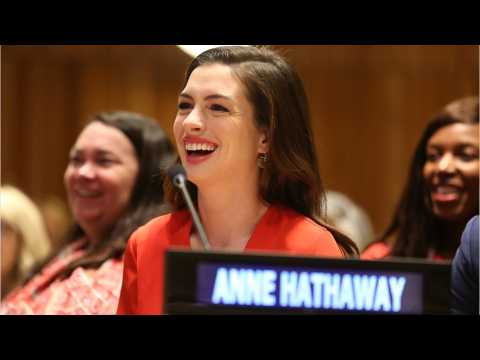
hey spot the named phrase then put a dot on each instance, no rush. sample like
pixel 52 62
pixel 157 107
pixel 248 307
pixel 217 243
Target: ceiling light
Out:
pixel 195 50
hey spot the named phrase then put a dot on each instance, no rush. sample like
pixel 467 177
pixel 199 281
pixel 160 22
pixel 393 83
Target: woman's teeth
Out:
pixel 86 193
pixel 446 190
pixel 202 147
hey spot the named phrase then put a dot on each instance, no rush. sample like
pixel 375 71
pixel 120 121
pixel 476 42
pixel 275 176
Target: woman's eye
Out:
pixel 184 106
pixel 468 156
pixel 467 153
pixel 432 157
pixel 104 162
pixel 217 107
pixel 75 160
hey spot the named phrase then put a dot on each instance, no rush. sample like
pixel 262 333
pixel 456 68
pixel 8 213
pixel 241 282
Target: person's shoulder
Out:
pixel 470 233
pixel 304 234
pixel 159 225
pixel 300 222
pixel 464 281
pixel 175 218
pixel 470 240
pixel 376 250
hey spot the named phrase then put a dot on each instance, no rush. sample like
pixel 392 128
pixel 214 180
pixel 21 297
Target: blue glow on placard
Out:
pixel 280 287
pixel 244 287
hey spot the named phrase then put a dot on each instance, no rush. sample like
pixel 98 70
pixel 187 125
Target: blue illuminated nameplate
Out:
pixel 334 290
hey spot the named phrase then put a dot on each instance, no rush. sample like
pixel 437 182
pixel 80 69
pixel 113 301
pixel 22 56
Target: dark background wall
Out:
pixel 369 105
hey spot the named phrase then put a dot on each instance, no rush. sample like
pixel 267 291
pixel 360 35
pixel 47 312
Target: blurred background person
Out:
pixel 441 193
pixel 464 284
pixel 24 238
pixel 114 184
pixel 349 218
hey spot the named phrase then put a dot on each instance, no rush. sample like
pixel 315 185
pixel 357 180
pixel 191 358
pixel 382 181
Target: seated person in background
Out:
pixel 348 217
pixel 243 135
pixel 24 238
pixel 441 194
pixel 464 285
pixel 113 182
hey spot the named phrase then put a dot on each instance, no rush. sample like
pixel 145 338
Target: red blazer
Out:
pixel 279 230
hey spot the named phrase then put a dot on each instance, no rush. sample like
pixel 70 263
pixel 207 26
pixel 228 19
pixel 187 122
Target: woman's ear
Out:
pixel 263 144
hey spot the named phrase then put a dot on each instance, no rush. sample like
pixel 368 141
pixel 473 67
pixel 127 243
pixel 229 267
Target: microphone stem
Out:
pixel 196 220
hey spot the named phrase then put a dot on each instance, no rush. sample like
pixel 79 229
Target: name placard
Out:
pixel 330 290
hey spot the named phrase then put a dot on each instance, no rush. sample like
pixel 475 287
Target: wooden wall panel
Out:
pixel 94 90
pixel 11 131
pixel 369 105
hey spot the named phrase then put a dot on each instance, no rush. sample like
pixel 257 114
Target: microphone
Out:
pixel 179 178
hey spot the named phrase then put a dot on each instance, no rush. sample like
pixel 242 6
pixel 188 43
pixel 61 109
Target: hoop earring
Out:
pixel 262 160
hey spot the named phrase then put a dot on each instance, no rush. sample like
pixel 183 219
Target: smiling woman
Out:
pixel 99 178
pixel 244 137
pixel 214 114
pixel 451 171
pixel 114 184
pixel 442 192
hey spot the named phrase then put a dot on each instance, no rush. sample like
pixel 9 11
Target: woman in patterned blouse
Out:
pixel 113 182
